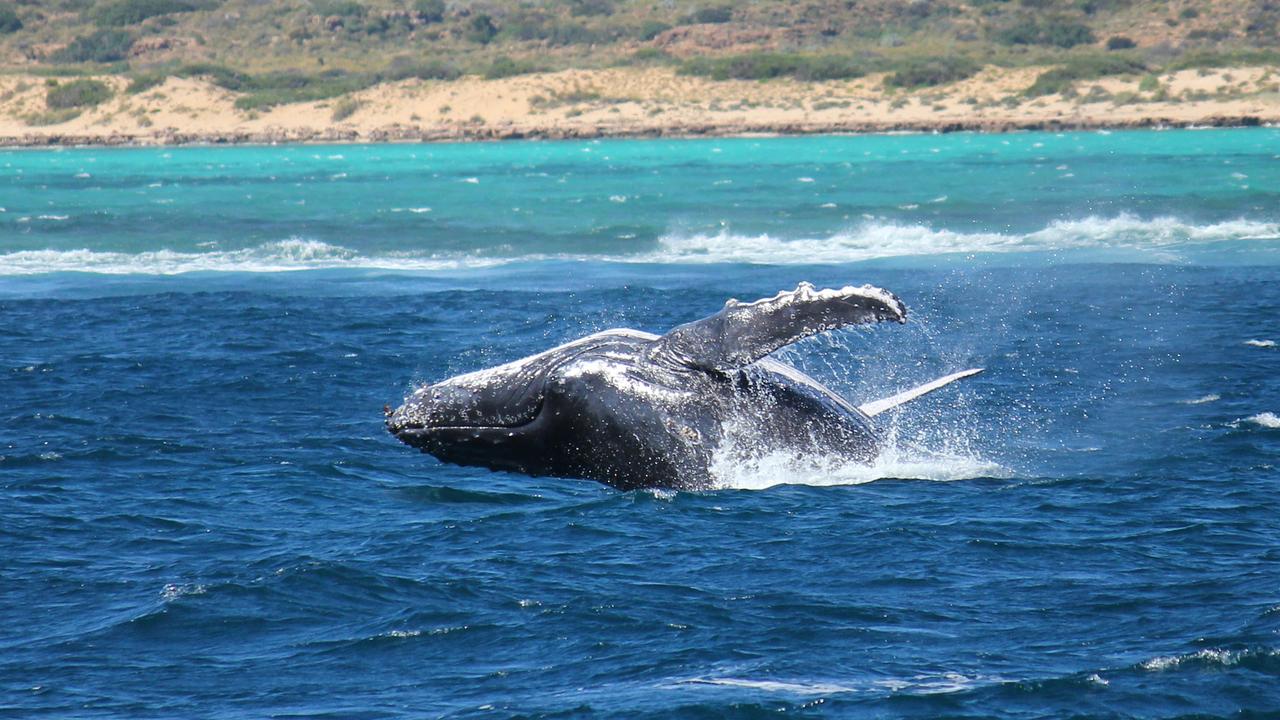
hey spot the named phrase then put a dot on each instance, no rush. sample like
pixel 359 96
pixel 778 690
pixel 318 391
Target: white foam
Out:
pixel 735 470
pixel 280 256
pixel 874 240
pixel 1261 343
pixel 173 591
pixel 871 240
pixel 797 688
pixel 1207 656
pixel 920 684
pixel 937 685
pixel 1211 397
pixel 1266 420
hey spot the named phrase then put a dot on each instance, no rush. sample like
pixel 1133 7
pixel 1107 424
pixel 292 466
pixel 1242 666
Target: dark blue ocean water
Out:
pixel 202 516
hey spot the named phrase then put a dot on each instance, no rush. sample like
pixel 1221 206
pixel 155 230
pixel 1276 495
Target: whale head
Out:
pixel 473 419
pixel 554 413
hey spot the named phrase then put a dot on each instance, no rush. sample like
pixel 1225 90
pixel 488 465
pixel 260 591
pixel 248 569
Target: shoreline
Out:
pixel 315 136
pixel 634 103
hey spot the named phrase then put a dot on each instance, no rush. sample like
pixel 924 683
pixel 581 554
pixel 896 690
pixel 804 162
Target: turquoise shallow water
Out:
pixel 204 517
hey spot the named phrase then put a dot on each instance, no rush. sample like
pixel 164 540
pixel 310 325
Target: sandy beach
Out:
pixel 638 102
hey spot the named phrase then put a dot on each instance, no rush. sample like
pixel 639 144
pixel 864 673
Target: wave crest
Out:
pixel 1267 420
pixel 279 256
pixel 1213 657
pixel 870 241
pixel 876 240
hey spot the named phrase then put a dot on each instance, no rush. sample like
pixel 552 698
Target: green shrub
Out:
pixel 575 96
pixel 384 28
pixel 1149 83
pixel 403 68
pixel 345 108
pixel 1066 34
pixel 130 12
pixel 9 22
pixel 481 29
pixel 830 67
pixel 429 11
pixel 647 55
pixel 1217 34
pixel 586 8
pixel 1088 67
pixel 1091 7
pixel 145 81
pixel 51 117
pixel 504 66
pixel 77 94
pixel 101 46
pixel 1025 32
pixel 766 66
pixel 279 88
pixel 1120 42
pixel 340 8
pixel 930 71
pixel 1224 58
pixel 1055 31
pixel 711 15
pixel 1189 13
pixel 533 24
pixel 222 76
pixel 650 29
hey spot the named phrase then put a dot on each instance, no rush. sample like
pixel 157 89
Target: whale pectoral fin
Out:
pixel 742 333
pixel 876 407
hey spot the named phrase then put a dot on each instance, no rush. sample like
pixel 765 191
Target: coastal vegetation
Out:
pixel 1062 78
pixel 771 65
pixel 76 94
pixel 269 54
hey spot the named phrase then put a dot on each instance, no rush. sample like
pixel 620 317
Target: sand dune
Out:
pixel 637 102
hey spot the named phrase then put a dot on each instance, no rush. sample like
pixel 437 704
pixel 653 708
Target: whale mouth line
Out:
pixel 421 427
pixel 460 427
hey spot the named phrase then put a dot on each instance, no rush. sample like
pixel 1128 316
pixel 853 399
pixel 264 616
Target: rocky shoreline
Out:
pixel 470 133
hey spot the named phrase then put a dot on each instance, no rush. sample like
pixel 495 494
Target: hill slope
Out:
pixel 254 56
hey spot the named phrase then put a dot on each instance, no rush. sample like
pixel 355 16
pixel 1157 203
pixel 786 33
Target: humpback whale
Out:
pixel 632 409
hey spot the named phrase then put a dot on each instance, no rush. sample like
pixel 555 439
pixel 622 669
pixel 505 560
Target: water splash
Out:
pixel 935 453
pixel 733 471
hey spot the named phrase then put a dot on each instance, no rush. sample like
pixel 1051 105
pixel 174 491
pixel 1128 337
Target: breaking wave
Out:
pixel 1263 659
pixel 942 684
pixel 1267 420
pixel 874 241
pixel 281 256
pixel 1160 237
